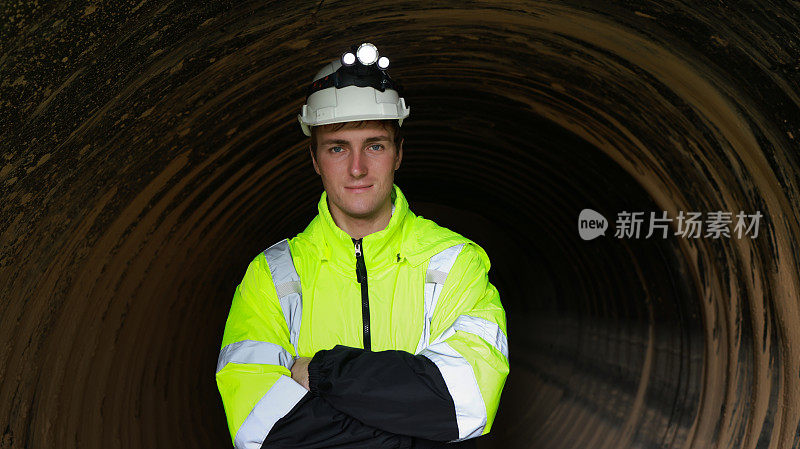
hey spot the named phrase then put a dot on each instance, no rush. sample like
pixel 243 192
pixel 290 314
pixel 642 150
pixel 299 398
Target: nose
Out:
pixel 358 166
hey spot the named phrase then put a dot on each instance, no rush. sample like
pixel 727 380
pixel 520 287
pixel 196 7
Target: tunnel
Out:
pixel 150 149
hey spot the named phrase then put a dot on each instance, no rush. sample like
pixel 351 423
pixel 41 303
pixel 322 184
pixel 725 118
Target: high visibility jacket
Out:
pixel 407 335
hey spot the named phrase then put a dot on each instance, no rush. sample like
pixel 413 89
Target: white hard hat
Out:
pixel 352 88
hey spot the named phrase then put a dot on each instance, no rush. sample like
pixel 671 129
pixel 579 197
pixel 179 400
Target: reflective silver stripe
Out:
pixel 438 268
pixel 436 276
pixel 463 387
pixel 251 351
pixel 274 405
pixel 490 332
pixel 287 286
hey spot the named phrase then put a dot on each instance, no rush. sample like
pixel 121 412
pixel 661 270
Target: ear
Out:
pixel 399 156
pixel 314 159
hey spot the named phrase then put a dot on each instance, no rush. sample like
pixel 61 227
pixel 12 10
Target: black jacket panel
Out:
pixel 392 390
pixel 313 423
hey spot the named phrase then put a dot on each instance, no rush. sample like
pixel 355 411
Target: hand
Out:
pixel 300 371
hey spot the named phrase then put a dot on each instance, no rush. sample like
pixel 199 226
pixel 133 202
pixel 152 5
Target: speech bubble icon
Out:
pixel 591 224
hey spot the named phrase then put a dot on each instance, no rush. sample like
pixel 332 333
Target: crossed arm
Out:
pixel 348 397
pixel 322 420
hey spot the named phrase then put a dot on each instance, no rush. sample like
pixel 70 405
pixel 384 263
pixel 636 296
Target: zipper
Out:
pixel 361 277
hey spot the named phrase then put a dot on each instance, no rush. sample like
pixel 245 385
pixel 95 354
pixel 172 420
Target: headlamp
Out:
pixel 361 67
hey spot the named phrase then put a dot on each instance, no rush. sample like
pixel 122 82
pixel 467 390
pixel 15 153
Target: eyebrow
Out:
pixel 346 142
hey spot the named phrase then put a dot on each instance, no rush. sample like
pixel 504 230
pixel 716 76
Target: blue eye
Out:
pixel 336 149
pixel 379 147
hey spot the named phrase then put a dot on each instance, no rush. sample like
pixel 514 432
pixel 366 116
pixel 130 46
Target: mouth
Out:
pixel 358 189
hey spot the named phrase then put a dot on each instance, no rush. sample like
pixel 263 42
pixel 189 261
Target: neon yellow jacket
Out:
pixel 416 296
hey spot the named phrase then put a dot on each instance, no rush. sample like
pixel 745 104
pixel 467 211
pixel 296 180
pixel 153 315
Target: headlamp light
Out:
pixel 348 59
pixel 367 53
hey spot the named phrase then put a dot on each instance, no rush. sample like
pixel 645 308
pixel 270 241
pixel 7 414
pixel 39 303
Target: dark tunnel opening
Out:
pixel 150 150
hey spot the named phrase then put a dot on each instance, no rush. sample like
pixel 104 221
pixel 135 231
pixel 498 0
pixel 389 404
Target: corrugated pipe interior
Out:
pixel 149 150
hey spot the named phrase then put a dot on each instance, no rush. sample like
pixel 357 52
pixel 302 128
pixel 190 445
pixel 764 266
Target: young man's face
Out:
pixel 357 167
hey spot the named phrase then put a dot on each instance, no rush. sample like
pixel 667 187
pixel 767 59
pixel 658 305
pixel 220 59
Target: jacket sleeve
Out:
pixel 452 386
pixel 261 400
pixel 314 424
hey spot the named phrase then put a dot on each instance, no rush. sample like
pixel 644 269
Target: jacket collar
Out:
pixel 380 248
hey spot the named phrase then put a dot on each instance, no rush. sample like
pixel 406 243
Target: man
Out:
pixel 373 327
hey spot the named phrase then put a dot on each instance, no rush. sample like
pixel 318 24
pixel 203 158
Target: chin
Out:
pixel 361 208
pixel 360 212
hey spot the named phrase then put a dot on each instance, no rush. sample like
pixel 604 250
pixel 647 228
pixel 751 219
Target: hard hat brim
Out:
pixel 350 104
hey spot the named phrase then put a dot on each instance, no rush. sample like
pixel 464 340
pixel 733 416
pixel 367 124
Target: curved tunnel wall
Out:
pixel 150 150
